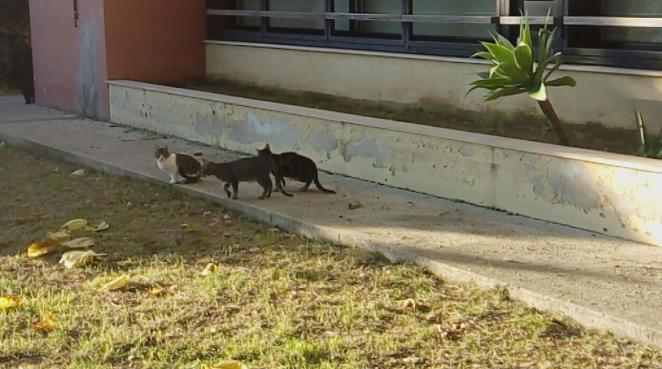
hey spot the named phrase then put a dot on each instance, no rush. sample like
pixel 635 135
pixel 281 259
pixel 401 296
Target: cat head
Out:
pixel 162 152
pixel 265 151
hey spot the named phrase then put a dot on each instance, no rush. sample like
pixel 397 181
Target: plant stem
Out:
pixel 554 122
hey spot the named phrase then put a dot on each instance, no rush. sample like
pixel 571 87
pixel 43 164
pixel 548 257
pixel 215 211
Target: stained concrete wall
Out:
pixel 606 95
pixel 608 193
pixel 69 58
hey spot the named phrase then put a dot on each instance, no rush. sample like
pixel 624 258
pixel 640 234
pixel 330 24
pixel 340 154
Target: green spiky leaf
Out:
pixel 563 81
pixel 507 91
pixel 524 58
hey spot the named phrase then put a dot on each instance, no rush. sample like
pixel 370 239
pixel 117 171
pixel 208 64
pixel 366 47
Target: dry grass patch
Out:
pixel 276 301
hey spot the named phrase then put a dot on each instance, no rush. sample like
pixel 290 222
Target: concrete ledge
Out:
pixel 588 317
pixel 449 59
pixel 601 192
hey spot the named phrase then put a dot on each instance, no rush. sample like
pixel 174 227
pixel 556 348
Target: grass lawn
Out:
pixel 276 301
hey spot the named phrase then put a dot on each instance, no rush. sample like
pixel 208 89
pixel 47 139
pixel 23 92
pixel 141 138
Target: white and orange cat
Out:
pixel 181 168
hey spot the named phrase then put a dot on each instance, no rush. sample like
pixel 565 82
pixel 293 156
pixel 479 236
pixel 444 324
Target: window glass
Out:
pixel 316 6
pixel 615 37
pixel 632 8
pixel 369 28
pixel 454 7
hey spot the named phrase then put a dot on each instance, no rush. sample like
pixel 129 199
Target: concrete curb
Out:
pixel 589 318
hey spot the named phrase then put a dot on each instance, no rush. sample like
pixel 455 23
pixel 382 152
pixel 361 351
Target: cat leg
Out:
pixel 235 189
pixel 266 187
pixel 226 187
pixel 172 179
pixel 306 185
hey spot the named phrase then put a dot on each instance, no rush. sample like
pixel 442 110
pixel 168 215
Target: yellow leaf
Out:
pixel 45 325
pixel 101 226
pixel 226 364
pixel 116 284
pixel 75 259
pixel 38 249
pixel 10 302
pixel 75 224
pixel 58 236
pixel 209 269
pixel 156 291
pixel 79 243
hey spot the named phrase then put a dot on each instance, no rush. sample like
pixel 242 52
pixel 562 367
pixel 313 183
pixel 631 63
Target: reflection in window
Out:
pixel 632 8
pixel 615 37
pixel 454 7
pixel 369 28
pixel 314 6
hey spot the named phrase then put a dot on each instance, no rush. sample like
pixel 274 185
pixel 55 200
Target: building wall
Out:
pixel 69 59
pixel 606 95
pixel 158 41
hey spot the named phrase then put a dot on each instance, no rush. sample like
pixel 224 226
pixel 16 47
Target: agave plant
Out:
pixel 517 70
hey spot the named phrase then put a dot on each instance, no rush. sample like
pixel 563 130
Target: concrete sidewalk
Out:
pixel 599 281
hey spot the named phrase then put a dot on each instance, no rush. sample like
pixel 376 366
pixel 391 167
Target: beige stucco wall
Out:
pixel 606 95
pixel 601 192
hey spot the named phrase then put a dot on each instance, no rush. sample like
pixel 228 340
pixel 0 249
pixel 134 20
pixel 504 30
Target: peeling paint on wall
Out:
pixel 370 148
pixel 87 95
pixel 568 184
pixel 275 131
pixel 322 142
pixel 208 125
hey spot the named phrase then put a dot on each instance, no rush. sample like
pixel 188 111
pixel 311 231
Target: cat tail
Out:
pixel 319 185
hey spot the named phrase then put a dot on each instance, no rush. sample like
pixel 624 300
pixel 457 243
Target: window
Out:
pixel 626 36
pixel 297 25
pixel 445 31
pixel 369 28
pixel 608 32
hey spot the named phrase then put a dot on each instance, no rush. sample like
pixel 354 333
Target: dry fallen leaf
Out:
pixel 226 364
pixel 58 236
pixel 45 325
pixel 10 302
pixel 75 259
pixel 209 269
pixel 75 224
pixel 354 205
pixel 79 243
pixel 409 304
pixel 38 249
pixel 116 284
pixel 101 226
pixel 156 292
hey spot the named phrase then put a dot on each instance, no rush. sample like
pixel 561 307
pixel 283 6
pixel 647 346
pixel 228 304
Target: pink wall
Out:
pixel 69 60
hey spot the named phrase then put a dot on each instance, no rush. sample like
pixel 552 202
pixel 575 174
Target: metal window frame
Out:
pixel 503 19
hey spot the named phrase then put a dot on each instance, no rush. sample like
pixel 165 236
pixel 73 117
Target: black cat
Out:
pixel 295 166
pixel 255 168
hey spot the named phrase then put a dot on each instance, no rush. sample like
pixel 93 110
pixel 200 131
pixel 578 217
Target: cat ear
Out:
pixel 267 147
